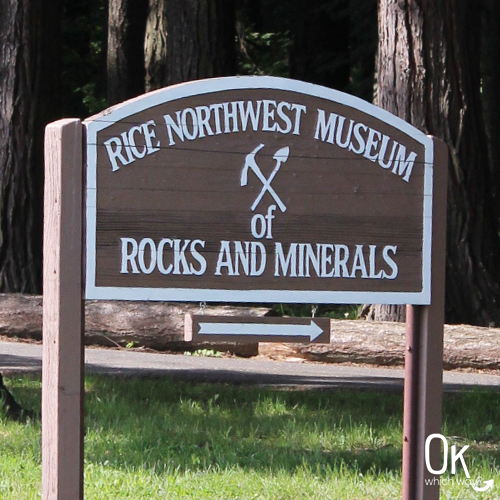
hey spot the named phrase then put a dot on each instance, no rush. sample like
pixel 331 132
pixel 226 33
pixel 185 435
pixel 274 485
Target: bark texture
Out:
pixel 320 49
pixel 490 48
pixel 155 325
pixel 383 312
pixel 363 39
pixel 29 72
pixel 189 40
pixel 429 75
pixel 125 65
pixel 383 343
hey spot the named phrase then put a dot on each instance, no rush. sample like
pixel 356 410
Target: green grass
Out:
pixel 159 439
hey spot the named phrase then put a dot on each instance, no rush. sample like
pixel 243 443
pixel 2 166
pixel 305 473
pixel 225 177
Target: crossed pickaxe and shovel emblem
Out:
pixel 281 156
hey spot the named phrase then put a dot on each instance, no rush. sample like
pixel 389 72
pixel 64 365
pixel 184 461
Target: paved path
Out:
pixel 17 356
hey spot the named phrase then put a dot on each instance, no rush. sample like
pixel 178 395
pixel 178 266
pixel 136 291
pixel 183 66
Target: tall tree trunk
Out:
pixel 363 47
pixel 383 312
pixel 334 44
pixel 29 72
pixel 189 40
pixel 126 28
pixel 320 42
pixel 490 48
pixel 429 75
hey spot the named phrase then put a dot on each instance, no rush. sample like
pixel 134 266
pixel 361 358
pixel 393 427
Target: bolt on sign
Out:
pixel 257 189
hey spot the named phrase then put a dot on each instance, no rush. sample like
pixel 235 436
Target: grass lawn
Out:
pixel 159 439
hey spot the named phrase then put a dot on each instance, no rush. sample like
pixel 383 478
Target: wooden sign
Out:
pixel 257 189
pixel 251 189
pixel 203 328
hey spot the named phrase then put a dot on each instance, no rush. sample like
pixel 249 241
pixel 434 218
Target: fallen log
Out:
pixel 159 326
pixel 383 343
pixel 154 325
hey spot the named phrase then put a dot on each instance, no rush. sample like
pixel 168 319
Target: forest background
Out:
pixel 434 64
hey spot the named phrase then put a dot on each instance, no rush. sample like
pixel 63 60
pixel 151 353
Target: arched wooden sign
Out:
pixel 246 189
pixel 257 189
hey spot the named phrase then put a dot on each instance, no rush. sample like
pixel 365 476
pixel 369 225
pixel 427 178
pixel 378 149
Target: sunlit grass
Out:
pixel 161 439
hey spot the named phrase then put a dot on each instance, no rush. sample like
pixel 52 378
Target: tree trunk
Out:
pixel 29 72
pixel 429 75
pixel 126 28
pixel 320 42
pixel 154 325
pixel 383 312
pixel 189 40
pixel 490 48
pixel 362 47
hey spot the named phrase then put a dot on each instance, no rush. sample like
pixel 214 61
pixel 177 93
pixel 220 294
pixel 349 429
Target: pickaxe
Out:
pixel 280 156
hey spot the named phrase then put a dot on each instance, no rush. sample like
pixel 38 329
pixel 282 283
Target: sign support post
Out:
pixel 424 357
pixel 63 314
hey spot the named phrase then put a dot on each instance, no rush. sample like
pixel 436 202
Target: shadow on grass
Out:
pixel 177 426
pixel 166 425
pixel 263 376
pixel 22 403
pixel 12 361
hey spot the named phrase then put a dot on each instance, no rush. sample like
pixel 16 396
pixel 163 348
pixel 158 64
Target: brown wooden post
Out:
pixel 424 359
pixel 409 476
pixel 63 319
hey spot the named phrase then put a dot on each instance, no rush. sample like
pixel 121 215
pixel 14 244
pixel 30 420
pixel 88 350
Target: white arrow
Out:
pixel 487 486
pixel 313 331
